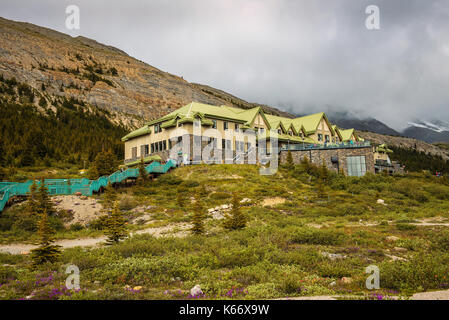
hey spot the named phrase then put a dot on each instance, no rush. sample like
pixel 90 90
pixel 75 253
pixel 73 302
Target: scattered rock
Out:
pixel 272 201
pixel 333 256
pixel 399 249
pixel 333 284
pixel 392 238
pixel 138 288
pixel 196 290
pixel 346 280
pixel 245 200
pixel 83 198
pixel 380 201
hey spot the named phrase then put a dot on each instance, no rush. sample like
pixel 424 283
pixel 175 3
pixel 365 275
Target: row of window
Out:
pixel 327 138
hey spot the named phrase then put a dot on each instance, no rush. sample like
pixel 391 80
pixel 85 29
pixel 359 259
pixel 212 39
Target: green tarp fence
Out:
pixel 72 186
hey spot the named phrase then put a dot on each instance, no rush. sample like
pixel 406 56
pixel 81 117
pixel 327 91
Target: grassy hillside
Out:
pixel 297 244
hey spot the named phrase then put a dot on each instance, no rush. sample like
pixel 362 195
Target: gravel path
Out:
pixel 22 248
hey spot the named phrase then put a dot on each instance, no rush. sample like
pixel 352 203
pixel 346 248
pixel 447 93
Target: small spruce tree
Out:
pixel 143 174
pixel 109 198
pixel 323 177
pixel 236 219
pixel 43 199
pixel 198 216
pixel 289 161
pixel 180 198
pixel 115 226
pixel 47 252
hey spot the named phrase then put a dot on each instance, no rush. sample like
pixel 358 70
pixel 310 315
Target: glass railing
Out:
pixel 341 145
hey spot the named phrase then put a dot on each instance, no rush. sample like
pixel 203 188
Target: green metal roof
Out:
pixel 136 133
pixel 194 110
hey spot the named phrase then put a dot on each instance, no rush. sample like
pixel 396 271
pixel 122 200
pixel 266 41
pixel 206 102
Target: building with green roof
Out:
pixel 215 123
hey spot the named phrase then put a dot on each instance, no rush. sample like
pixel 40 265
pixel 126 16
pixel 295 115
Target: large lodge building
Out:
pixel 312 136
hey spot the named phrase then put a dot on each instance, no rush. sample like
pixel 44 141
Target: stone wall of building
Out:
pixel 327 155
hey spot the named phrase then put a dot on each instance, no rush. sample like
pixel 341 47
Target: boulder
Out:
pixel 392 238
pixel 138 288
pixel 196 290
pixel 346 280
pixel 333 256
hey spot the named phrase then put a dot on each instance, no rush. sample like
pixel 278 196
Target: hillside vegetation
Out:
pixel 37 129
pixel 309 232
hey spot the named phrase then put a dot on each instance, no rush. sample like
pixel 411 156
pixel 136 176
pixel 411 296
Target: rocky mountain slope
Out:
pixel 429 131
pixel 404 142
pixel 98 74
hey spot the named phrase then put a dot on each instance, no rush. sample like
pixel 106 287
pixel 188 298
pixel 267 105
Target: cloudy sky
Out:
pixel 299 55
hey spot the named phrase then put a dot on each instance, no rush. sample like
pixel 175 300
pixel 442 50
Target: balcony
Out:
pixel 326 146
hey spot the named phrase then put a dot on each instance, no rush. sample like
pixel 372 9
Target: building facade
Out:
pixel 230 131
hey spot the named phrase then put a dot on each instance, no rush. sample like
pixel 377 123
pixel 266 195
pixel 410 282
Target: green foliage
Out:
pixel 115 226
pixel 289 161
pixel 143 174
pixel 47 252
pixel 72 130
pixel 419 160
pixel 317 236
pixel 103 165
pixel 236 219
pixel 198 216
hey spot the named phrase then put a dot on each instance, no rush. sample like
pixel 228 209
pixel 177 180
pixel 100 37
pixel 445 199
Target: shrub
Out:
pixel 220 195
pixel 423 271
pixel 317 236
pixel 406 226
pixel 441 241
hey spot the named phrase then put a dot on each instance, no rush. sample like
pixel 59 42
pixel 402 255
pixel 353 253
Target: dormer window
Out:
pixel 214 124
pixel 157 128
pixel 237 127
pixel 279 131
pixel 320 137
pixel 225 125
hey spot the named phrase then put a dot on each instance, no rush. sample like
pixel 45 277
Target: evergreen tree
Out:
pixel 289 161
pixel 236 219
pixel 43 199
pixel 32 206
pixel 143 174
pixel 181 198
pixel 47 251
pixel 115 226
pixel 198 216
pixel 109 198
pixel 323 177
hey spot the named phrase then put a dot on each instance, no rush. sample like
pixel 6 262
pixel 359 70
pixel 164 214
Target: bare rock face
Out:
pixel 99 75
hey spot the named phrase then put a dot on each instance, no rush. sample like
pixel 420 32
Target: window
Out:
pixel 237 127
pixel 279 131
pixel 327 138
pixel 164 143
pixel 146 149
pixel 157 128
pixel 290 133
pixel 356 166
pixel 160 146
pixel 156 147
pixel 223 143
pixel 225 125
pixel 134 152
pixel 179 124
pixel 214 124
pixel 152 147
pixel 261 130
pixel 320 137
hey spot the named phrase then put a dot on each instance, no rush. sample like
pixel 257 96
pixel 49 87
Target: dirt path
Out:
pixel 432 295
pixel 22 248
